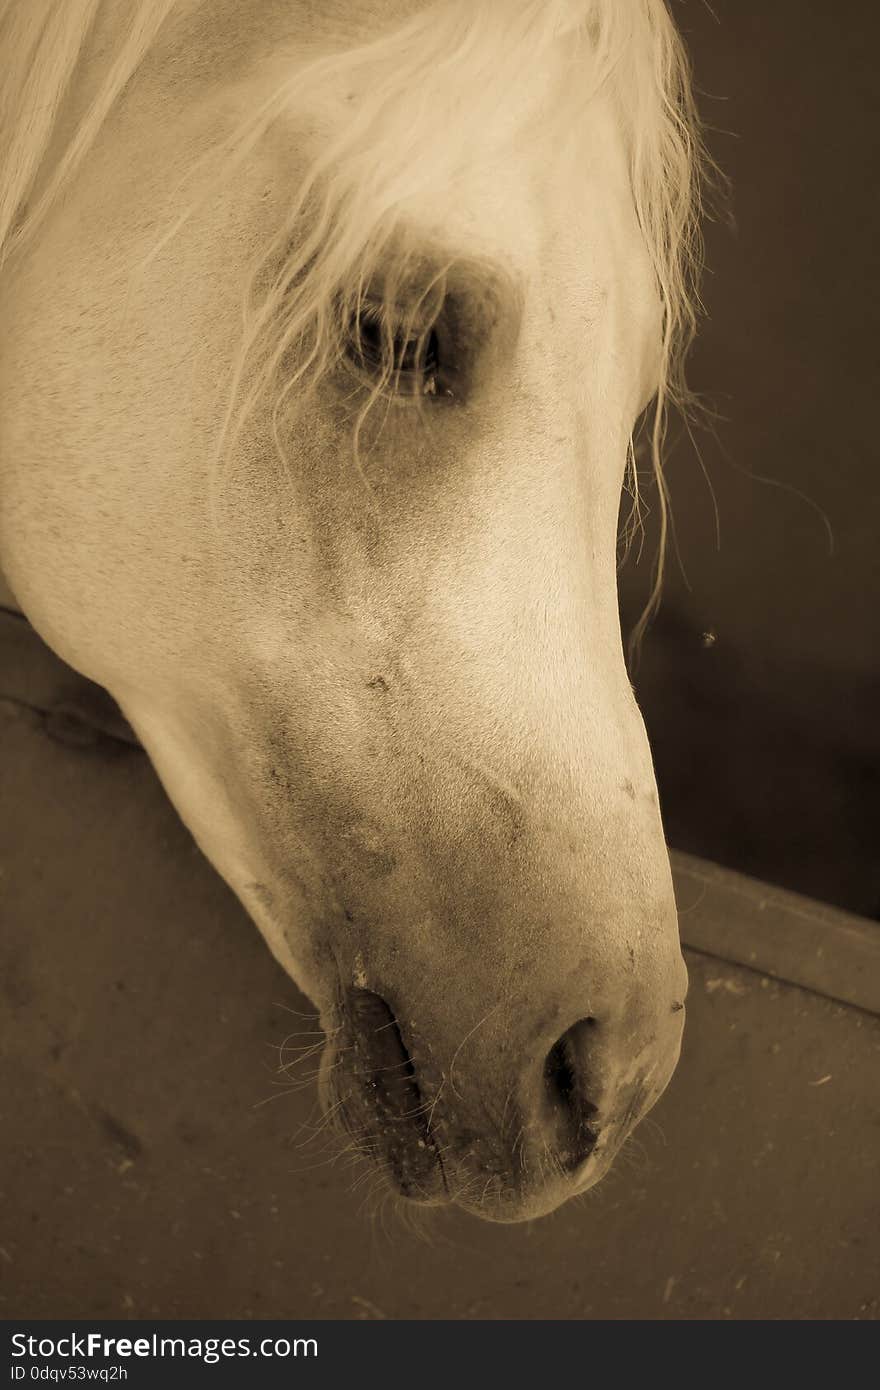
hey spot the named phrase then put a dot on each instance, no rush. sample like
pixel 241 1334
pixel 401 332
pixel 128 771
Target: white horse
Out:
pixel 325 332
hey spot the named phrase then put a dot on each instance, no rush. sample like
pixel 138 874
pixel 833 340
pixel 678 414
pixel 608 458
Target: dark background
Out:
pixel 765 739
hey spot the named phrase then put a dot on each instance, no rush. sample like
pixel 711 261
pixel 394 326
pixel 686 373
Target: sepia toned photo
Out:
pixel 439 673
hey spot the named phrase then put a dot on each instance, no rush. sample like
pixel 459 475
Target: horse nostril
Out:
pixel 383 1107
pixel 368 1011
pixel 565 1082
pixel 376 1036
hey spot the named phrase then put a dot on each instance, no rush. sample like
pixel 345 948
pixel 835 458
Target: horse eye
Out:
pixel 414 358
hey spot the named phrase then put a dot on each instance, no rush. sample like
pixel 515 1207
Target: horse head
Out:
pixel 348 560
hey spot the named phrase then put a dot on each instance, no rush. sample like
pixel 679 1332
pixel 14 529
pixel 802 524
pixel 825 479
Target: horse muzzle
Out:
pixel 515 1133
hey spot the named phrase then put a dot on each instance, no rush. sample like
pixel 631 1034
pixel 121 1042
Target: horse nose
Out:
pixel 570 1099
pixel 380 1060
pixel 532 1125
pixel 600 1078
pixel 379 1098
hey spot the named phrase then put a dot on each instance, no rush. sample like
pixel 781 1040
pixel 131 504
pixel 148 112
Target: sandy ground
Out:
pixel 153 1166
